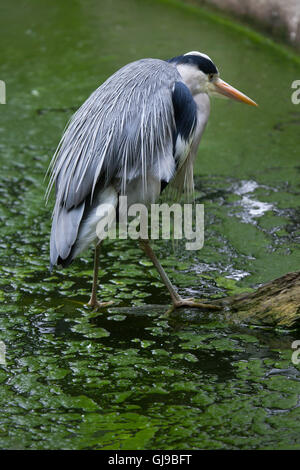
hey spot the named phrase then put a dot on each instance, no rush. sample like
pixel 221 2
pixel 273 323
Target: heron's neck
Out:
pixel 192 78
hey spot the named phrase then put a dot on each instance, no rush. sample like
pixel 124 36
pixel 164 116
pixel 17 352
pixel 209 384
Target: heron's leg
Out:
pixel 146 247
pixel 176 299
pixel 93 302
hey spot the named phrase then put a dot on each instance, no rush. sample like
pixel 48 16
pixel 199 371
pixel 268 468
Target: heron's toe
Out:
pixel 95 304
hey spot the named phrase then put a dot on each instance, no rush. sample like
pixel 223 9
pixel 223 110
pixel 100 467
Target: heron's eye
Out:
pixel 211 77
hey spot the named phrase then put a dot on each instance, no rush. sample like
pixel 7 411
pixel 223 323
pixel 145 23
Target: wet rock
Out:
pixel 277 16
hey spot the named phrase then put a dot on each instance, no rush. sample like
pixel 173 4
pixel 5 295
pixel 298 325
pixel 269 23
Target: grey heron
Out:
pixel 137 133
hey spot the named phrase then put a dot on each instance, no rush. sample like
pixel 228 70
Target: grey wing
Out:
pixel 124 130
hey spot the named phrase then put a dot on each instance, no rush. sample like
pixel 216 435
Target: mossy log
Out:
pixel 275 303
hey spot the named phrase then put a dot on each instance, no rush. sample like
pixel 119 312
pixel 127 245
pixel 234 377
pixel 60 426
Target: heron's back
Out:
pixel 123 132
pixel 120 131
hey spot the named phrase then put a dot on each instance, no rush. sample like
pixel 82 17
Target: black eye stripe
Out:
pixel 203 64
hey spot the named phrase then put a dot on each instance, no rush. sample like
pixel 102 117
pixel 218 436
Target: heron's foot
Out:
pixel 192 303
pixel 95 304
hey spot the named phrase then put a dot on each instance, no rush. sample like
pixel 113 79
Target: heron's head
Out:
pixel 201 76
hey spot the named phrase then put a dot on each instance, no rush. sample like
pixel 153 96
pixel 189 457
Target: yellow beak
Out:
pixel 227 90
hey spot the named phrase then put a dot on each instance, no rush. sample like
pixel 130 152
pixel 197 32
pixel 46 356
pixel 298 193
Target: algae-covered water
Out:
pixel 128 377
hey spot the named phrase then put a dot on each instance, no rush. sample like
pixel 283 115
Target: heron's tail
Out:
pixel 74 230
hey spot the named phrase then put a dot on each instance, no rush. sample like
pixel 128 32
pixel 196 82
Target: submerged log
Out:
pixel 275 303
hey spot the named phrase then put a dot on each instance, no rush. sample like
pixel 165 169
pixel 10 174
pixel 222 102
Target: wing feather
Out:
pixel 122 131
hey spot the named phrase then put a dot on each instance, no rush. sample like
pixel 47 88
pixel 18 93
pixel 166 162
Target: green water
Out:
pixel 128 377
